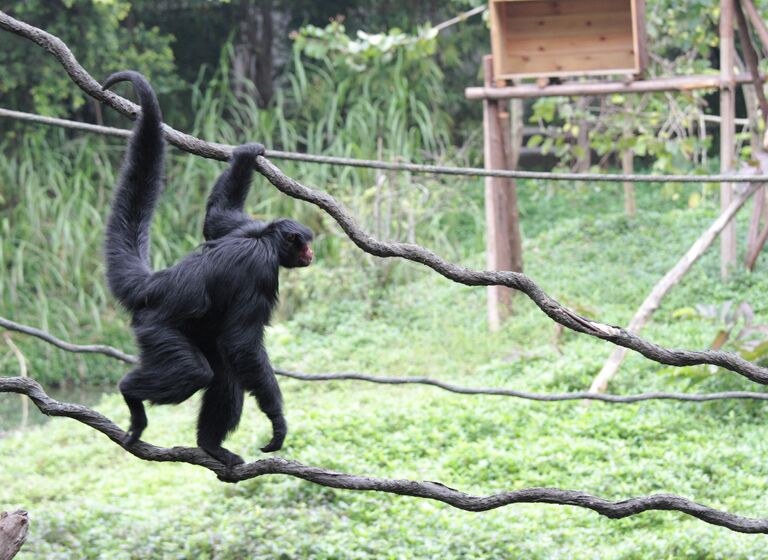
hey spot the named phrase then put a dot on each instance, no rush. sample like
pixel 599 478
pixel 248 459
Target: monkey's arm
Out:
pixel 224 210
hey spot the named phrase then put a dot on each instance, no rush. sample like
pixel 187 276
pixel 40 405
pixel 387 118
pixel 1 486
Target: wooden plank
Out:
pixel 640 39
pixel 539 8
pixel 533 45
pixel 571 24
pixel 567 74
pixel 497 40
pixel 607 60
pixel 727 132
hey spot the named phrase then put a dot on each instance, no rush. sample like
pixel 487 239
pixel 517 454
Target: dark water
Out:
pixel 12 412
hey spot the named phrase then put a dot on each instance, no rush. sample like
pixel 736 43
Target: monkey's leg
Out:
pixel 260 381
pixel 172 370
pixel 136 408
pixel 219 414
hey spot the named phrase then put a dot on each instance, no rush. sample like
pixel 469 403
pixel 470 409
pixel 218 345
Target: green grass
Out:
pixel 89 499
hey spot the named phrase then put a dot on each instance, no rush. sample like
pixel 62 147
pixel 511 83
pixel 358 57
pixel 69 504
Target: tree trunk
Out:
pixel 253 58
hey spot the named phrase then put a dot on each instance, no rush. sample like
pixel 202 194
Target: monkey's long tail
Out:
pixel 127 236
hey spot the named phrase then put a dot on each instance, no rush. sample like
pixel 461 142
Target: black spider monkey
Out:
pixel 200 323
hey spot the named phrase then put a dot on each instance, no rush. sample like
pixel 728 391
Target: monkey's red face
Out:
pixel 305 255
pixel 295 249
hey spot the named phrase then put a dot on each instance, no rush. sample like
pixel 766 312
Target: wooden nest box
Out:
pixel 549 38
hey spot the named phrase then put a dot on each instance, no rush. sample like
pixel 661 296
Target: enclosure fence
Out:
pixel 417 167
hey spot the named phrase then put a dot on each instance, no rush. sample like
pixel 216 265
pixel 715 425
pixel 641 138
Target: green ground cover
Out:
pixel 89 499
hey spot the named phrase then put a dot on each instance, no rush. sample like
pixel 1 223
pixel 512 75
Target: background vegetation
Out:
pixel 394 92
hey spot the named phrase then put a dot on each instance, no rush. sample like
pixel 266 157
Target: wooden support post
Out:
pixel 503 240
pixel 750 58
pixel 757 22
pixel 753 98
pixel 669 281
pixel 753 233
pixel 727 131
pixel 628 168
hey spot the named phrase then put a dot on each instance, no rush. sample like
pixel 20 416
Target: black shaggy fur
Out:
pixel 200 323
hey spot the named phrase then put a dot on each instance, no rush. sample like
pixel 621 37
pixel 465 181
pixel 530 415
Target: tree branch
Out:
pixel 354 376
pixel 13 533
pixel 417 489
pixel 68 346
pixel 369 244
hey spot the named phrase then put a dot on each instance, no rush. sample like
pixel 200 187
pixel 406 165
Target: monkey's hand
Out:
pixel 279 431
pixel 249 151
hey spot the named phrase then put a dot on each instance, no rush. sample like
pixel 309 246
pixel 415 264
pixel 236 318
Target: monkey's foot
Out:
pixel 279 431
pixel 272 446
pixel 224 456
pixel 132 436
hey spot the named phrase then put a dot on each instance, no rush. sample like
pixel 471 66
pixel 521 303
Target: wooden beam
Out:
pixel 669 281
pixel 727 132
pixel 641 37
pixel 503 245
pixel 754 249
pixel 577 89
pixel 750 58
pixel 628 168
pixel 757 22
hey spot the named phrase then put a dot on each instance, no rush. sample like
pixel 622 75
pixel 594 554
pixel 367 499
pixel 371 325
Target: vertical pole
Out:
pixel 727 132
pixel 513 159
pixel 511 124
pixel 628 168
pixel 500 217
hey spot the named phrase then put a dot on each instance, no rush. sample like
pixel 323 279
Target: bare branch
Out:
pixel 353 376
pixel 64 345
pixel 408 251
pixel 418 489
pixel 13 533
pixel 543 397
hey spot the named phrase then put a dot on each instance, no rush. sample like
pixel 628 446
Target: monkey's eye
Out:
pixel 291 237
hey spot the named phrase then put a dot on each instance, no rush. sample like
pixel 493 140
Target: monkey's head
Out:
pixel 293 243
